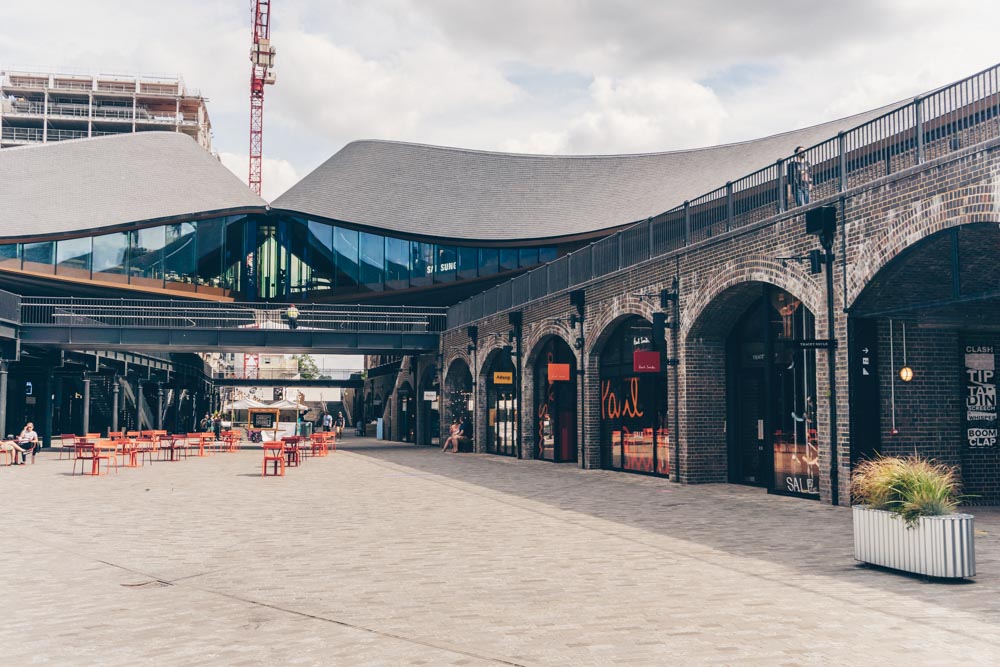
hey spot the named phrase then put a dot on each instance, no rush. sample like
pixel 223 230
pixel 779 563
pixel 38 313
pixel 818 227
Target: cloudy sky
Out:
pixel 538 76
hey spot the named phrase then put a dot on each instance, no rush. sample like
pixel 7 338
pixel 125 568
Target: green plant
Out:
pixel 911 487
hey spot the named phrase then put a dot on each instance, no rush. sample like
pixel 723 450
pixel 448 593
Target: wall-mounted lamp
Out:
pixel 905 373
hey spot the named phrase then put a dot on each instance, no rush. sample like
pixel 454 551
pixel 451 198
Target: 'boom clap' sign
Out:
pixel 980 396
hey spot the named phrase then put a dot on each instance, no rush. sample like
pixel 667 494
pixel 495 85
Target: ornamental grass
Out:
pixel 909 486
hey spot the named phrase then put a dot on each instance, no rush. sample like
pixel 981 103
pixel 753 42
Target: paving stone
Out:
pixel 389 554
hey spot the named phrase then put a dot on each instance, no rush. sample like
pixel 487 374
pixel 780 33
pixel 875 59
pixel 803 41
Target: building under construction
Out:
pixel 38 107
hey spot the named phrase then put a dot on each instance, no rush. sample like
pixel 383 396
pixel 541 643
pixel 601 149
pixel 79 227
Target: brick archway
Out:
pixel 907 225
pixel 702 392
pixel 539 338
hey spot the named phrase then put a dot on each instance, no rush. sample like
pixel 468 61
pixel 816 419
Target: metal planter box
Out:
pixel 936 546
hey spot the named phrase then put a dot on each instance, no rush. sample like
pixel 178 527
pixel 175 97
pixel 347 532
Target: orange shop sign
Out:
pixel 558 372
pixel 505 377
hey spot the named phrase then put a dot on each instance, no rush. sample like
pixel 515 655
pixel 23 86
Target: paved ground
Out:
pixel 392 555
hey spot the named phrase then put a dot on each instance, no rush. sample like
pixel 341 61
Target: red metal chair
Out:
pixel 274 452
pixel 84 453
pixel 67 442
pixel 292 450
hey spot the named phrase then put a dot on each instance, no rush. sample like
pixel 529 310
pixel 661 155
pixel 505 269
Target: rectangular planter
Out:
pixel 936 546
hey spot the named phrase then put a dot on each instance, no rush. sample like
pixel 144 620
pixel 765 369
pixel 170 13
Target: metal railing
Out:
pixel 22 134
pixel 264 373
pixel 944 121
pixel 149 314
pixel 10 307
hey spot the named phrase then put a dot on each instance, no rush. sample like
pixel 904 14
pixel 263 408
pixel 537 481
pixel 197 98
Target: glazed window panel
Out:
pixel 10 256
pixel 323 257
pixel 547 255
pixel 40 257
pixel 210 257
pixel 372 260
pixel 299 257
pixel 146 257
pixel 345 244
pixel 236 254
pixel 110 259
pixel 508 260
pixel 489 261
pixel 180 255
pixel 527 257
pixel 422 263
pixel 468 263
pixel 397 263
pixel 445 264
pixel 73 257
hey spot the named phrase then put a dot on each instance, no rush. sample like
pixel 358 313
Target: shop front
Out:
pixel 407 413
pixel 459 403
pixel 429 402
pixel 555 402
pixel 501 406
pixel 634 430
pixel 771 392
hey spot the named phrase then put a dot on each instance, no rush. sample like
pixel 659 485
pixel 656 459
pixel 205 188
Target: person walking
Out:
pixel 293 317
pixel 327 422
pixel 339 424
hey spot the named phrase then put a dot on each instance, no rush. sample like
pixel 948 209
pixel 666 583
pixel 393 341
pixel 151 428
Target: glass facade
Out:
pixel 773 401
pixel 264 257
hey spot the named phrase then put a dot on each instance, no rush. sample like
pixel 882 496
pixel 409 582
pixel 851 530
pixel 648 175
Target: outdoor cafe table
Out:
pixel 292 450
pixel 172 445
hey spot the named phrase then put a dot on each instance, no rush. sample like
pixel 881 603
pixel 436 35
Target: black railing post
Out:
pixel 729 205
pixel 782 187
pixel 687 223
pixel 842 149
pixel 621 249
pixel 649 236
pixel 919 127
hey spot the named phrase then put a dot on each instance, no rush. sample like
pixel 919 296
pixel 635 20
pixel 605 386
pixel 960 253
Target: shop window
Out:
pixel 489 261
pixel 40 257
pixel 146 257
pixel 397 263
pixel 422 255
pixel 209 240
pixel 180 256
pixel 73 257
pixel 10 256
pixel 110 259
pixel 372 247
pixel 502 412
pixel 508 260
pixel 468 263
pixel 446 264
pixel 555 402
pixel 322 257
pixel 633 394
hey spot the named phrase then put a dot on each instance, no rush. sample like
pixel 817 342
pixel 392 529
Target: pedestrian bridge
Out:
pixel 187 326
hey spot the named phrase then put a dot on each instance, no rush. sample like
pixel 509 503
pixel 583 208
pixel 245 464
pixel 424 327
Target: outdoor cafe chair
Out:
pixel 292 450
pixel 274 452
pixel 84 454
pixel 67 440
pixel 107 451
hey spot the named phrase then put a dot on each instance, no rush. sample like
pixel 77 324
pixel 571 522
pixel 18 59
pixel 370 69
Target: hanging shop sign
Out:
pixel 980 397
pixel 645 361
pixel 558 372
pixel 504 377
pixel 430 396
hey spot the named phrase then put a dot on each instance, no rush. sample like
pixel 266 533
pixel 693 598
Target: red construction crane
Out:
pixel 262 60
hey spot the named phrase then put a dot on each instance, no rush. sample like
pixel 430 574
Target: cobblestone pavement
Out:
pixel 390 554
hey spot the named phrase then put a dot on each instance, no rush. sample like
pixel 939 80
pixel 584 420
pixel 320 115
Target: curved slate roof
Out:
pixel 479 195
pixel 89 184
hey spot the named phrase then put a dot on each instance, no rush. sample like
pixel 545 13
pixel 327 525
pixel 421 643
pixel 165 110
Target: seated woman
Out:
pixel 28 441
pixel 454 433
pixel 10 446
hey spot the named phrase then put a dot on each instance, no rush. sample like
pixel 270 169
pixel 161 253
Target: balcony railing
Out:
pixel 264 373
pixel 945 121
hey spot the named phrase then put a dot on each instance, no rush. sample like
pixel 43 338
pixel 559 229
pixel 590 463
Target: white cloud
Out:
pixel 276 175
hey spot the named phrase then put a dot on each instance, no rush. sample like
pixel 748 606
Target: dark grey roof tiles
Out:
pixel 479 195
pixel 88 184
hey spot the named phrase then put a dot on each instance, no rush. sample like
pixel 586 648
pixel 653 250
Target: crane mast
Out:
pixel 262 60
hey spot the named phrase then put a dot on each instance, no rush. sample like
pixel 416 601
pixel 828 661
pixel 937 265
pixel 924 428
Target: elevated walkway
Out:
pixel 188 326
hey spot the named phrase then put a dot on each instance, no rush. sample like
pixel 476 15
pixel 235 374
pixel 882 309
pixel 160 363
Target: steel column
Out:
pixel 86 403
pixel 115 391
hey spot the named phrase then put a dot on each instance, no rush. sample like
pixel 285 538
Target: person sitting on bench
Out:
pixel 10 446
